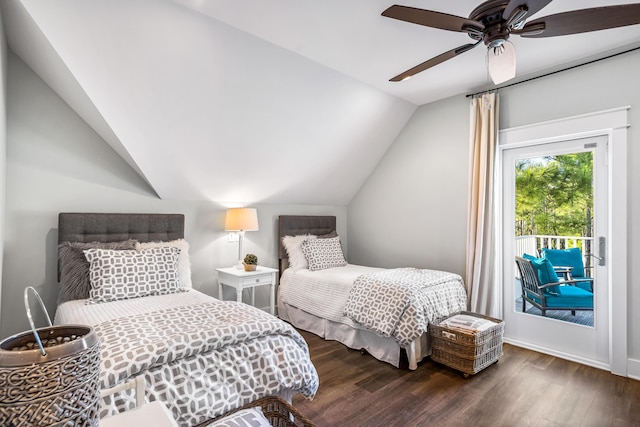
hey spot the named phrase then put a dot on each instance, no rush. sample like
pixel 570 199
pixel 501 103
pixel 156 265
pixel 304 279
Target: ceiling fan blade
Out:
pixel 433 61
pixel 433 19
pixel 582 21
pixel 531 7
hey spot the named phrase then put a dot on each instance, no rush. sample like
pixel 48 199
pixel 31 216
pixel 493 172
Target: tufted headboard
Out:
pixel 114 227
pixel 117 227
pixel 294 225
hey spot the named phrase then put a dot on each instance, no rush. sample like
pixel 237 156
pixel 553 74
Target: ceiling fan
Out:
pixel 493 21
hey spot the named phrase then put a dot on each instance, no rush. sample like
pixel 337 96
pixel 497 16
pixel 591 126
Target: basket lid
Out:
pixel 60 341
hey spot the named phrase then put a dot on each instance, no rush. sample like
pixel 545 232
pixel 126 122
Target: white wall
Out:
pixel 412 209
pixel 57 163
pixel 3 136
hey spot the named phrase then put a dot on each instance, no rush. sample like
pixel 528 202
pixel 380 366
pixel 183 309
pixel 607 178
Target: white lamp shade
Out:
pixel 501 62
pixel 241 219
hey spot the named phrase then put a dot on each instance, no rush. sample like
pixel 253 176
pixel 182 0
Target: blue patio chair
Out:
pixel 571 258
pixel 542 288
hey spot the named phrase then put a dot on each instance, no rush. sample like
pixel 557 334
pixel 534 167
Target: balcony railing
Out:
pixel 533 244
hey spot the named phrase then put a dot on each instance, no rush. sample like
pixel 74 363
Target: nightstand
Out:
pixel 240 279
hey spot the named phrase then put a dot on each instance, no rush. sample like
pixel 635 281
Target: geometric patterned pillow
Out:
pixel 117 275
pixel 323 253
pixel 184 263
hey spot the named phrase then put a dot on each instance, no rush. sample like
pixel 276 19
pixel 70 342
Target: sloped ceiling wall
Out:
pixel 204 111
pixel 284 101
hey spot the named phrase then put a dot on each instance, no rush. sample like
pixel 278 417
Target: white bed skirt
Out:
pixel 385 349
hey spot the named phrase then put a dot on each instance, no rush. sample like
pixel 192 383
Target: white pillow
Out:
pixel 293 246
pixel 251 417
pixel 184 262
pixel 323 253
pixel 124 274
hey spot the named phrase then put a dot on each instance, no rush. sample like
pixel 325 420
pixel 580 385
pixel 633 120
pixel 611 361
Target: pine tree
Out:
pixel 554 195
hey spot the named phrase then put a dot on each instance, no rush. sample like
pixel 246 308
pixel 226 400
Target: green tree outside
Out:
pixel 554 195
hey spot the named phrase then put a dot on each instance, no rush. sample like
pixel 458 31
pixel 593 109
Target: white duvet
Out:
pixel 322 293
pixel 80 312
pixel 418 296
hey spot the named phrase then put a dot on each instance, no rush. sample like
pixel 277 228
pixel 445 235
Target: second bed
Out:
pixel 382 311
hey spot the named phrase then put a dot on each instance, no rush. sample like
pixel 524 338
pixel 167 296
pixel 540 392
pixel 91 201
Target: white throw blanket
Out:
pixel 401 302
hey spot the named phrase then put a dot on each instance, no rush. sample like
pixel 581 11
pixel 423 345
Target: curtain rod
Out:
pixel 495 89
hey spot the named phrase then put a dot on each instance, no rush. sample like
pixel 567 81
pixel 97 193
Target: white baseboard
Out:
pixel 560 354
pixel 633 369
pixel 633 365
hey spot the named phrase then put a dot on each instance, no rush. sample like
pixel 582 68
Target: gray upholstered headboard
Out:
pixel 294 225
pixel 115 227
pixel 118 227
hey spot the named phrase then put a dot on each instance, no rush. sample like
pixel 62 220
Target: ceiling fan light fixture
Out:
pixel 494 21
pixel 501 62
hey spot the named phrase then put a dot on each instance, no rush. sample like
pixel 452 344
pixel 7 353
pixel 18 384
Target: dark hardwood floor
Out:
pixel 524 388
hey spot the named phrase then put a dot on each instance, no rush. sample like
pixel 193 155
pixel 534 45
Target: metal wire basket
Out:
pixel 50 376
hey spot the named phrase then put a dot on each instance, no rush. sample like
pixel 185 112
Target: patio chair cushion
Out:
pixel 587 286
pixel 571 257
pixel 545 271
pixel 570 297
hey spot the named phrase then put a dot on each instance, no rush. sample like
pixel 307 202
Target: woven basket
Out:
pixel 58 388
pixel 466 351
pixel 277 411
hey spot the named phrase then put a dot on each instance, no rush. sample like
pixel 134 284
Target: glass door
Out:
pixel 555 208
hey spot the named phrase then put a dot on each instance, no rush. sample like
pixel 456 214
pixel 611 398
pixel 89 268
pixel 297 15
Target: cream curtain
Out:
pixel 481 274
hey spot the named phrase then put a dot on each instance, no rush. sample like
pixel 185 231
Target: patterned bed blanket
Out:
pixel 204 360
pixel 401 302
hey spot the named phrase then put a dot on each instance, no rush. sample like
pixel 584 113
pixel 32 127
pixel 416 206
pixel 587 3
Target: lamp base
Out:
pixel 239 265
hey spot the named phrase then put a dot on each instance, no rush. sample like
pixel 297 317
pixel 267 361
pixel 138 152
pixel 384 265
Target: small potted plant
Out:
pixel 250 262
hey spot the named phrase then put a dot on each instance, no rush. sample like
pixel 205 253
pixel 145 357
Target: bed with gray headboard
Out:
pixel 128 276
pixel 295 225
pixel 321 293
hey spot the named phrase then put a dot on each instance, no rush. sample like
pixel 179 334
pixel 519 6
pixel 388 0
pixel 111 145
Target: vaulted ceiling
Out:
pixel 253 101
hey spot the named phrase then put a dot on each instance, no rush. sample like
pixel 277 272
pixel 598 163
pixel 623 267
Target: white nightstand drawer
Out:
pixel 253 281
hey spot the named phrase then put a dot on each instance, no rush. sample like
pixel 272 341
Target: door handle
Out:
pixel 601 251
pixel 597 257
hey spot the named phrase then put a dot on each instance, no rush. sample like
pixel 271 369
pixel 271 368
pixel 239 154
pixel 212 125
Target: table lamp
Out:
pixel 240 220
